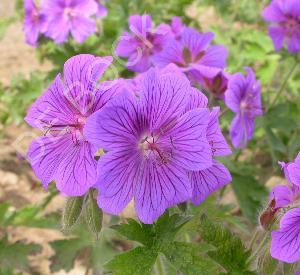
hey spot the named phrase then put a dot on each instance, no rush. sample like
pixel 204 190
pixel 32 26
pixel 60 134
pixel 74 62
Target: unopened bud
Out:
pixel 266 218
pixel 93 215
pixel 72 211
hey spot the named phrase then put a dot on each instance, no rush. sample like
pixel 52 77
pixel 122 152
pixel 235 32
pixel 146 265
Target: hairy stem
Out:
pixel 283 85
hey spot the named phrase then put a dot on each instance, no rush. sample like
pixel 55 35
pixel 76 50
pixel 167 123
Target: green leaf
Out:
pixel 189 258
pixel 138 261
pixel 250 193
pixel 135 231
pixel 229 251
pixel 65 253
pixel 15 255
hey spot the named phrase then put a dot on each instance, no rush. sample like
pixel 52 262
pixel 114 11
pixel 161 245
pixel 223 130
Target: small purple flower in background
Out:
pixel 284 17
pixel 177 27
pixel 153 141
pixel 34 22
pixel 70 16
pixel 102 11
pixel 194 55
pixel 286 241
pixel 63 154
pixel 142 42
pixel 292 171
pixel 216 85
pixel 284 195
pixel 243 98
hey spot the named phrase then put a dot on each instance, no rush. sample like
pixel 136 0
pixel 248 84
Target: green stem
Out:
pixel 252 241
pixel 159 266
pixel 284 83
pixel 261 245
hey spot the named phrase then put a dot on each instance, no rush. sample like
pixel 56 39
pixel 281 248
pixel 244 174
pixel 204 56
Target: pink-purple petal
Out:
pixel 285 244
pixel 208 181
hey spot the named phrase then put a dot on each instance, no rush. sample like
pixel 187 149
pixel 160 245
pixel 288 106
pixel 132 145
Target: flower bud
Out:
pixel 93 215
pixel 266 218
pixel 72 212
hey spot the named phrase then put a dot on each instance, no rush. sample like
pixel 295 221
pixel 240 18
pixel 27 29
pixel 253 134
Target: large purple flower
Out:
pixel 152 142
pixel 194 55
pixel 243 98
pixel 63 154
pixel 285 244
pixel 34 22
pixel 142 42
pixel 65 16
pixel 284 17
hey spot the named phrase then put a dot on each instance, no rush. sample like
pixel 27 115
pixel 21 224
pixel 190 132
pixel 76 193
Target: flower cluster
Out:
pixel 56 19
pixel 159 137
pixel 284 18
pixel 191 53
pixel 285 241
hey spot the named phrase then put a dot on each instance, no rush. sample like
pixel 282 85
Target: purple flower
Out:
pixel 153 141
pixel 177 27
pixel 284 195
pixel 216 85
pixel 34 22
pixel 243 98
pixel 194 55
pixel 102 11
pixel 142 42
pixel 63 154
pixel 70 16
pixel 286 241
pixel 292 171
pixel 284 17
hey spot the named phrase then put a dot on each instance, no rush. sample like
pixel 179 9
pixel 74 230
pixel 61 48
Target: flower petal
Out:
pixel 285 244
pixel 45 154
pixel 208 181
pixel 81 74
pixel 191 149
pixel 293 170
pixel 117 173
pixel 159 187
pixel 163 97
pixel 197 100
pixel 115 126
pixel 277 34
pixel 241 130
pixel 77 170
pixel 51 108
pixel 82 27
pixel 214 135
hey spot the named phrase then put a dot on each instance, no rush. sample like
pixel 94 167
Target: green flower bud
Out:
pixel 71 212
pixel 93 215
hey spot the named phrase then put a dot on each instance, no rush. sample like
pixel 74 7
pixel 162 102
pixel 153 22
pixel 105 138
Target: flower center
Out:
pixel 69 12
pixel 151 149
pixel 292 25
